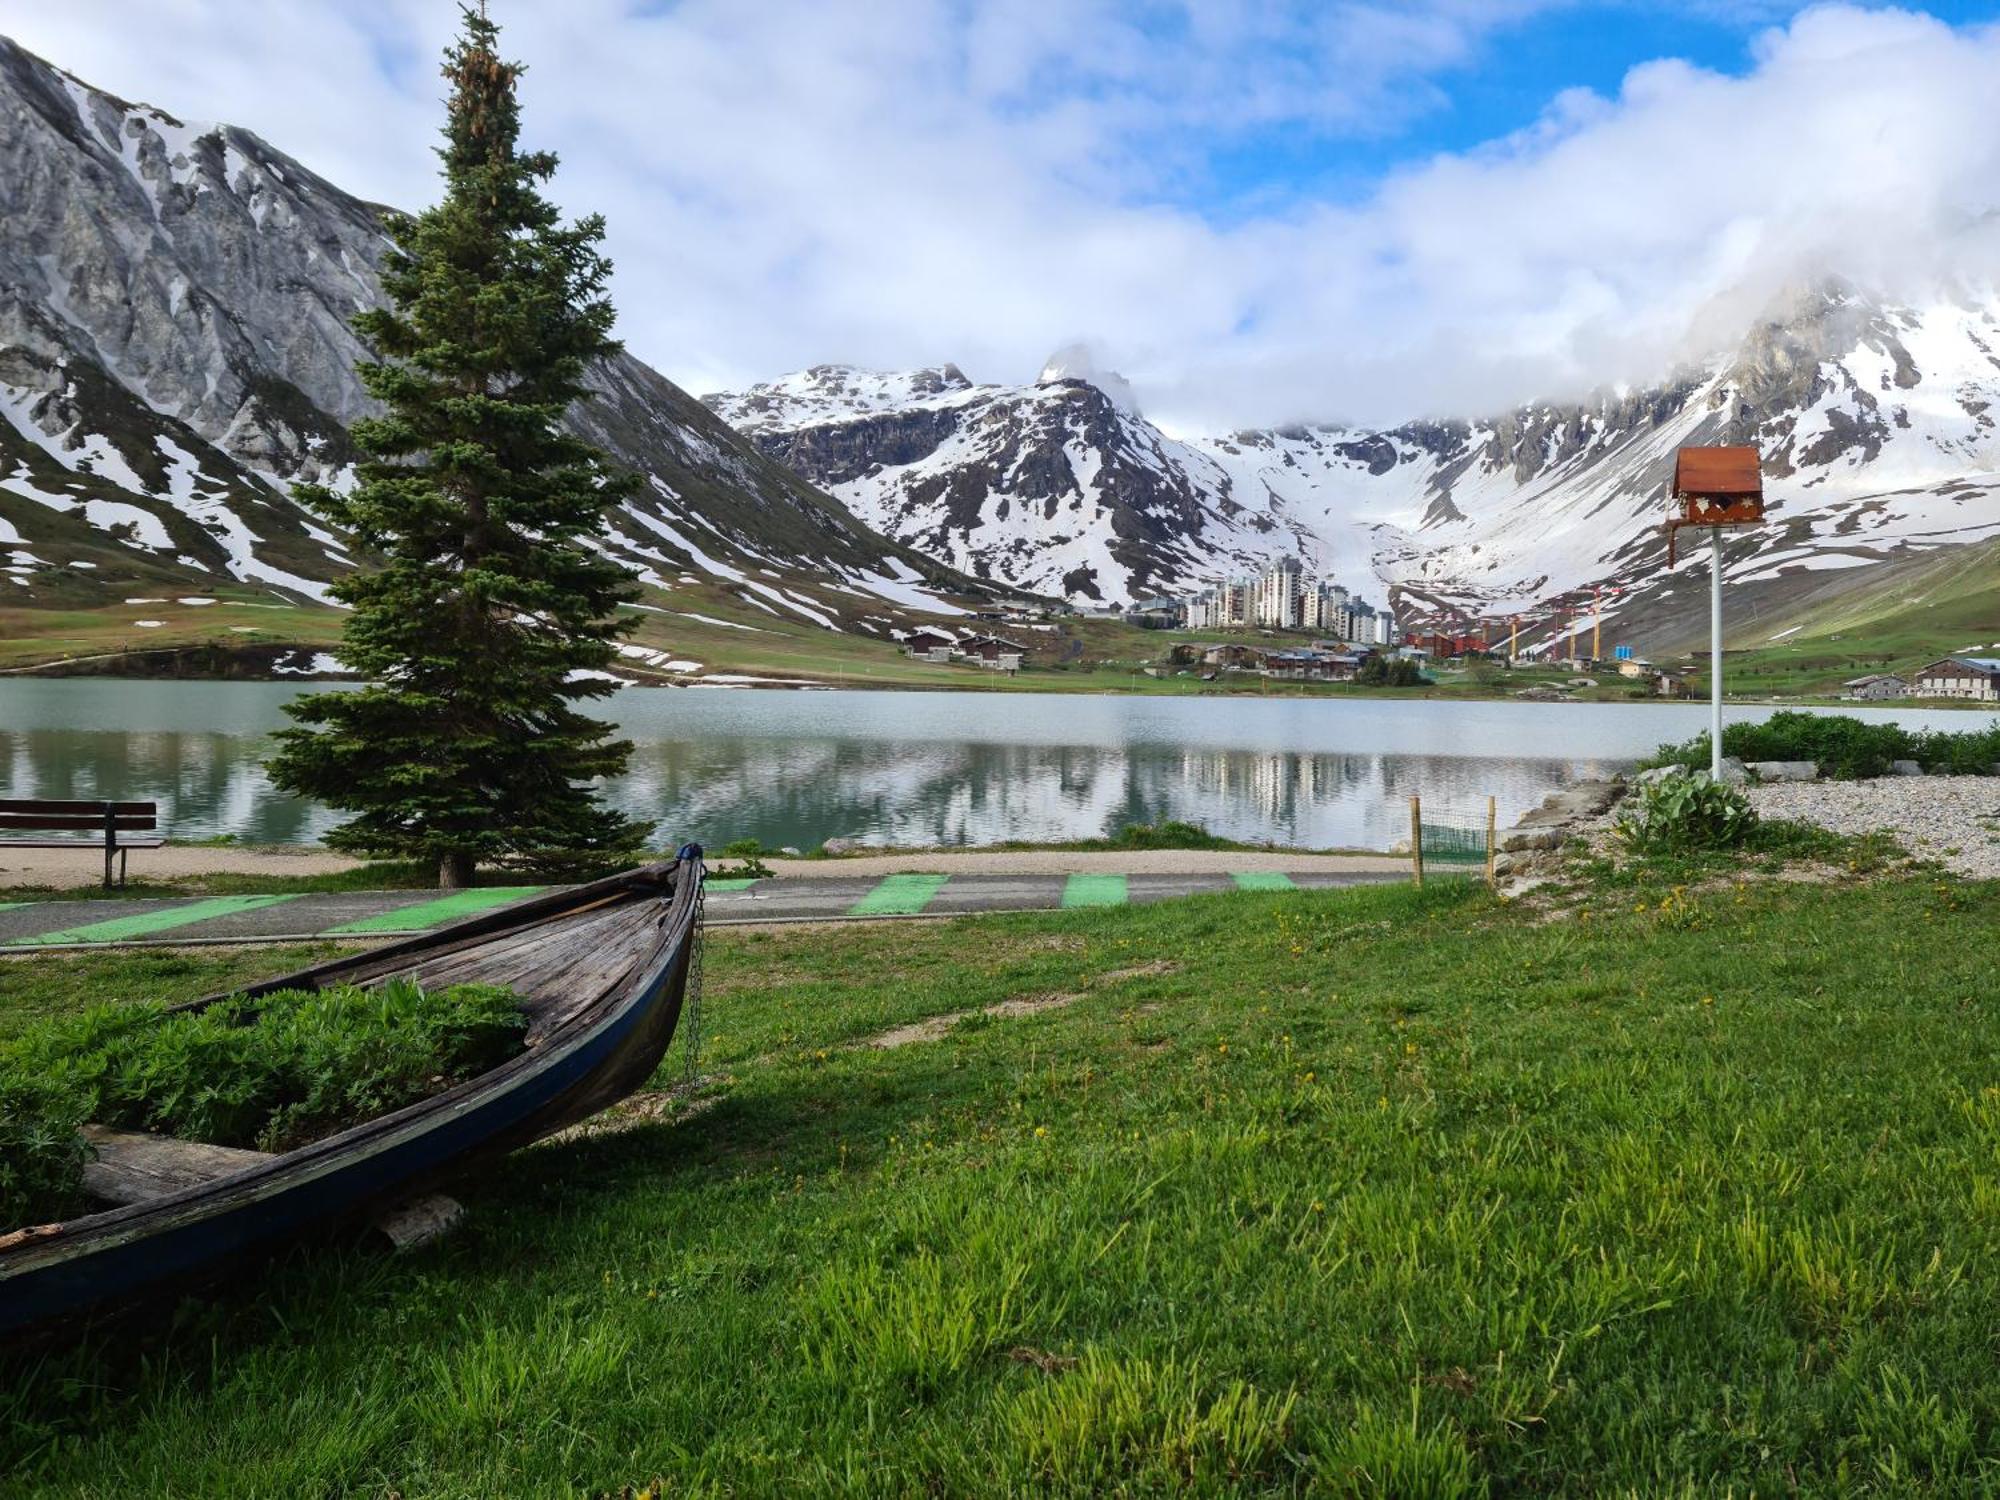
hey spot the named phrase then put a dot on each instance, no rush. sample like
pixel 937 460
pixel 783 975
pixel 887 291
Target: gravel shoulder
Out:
pixel 84 865
pixel 1952 819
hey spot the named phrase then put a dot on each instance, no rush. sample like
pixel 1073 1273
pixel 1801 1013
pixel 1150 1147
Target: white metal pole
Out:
pixel 1715 652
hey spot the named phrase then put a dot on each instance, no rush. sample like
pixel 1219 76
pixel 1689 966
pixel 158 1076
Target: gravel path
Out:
pixel 84 865
pixel 1952 819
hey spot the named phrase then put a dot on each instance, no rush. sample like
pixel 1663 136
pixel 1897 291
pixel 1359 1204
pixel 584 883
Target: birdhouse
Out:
pixel 1714 487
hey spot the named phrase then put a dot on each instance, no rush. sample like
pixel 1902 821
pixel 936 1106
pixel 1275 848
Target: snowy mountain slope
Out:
pixel 175 353
pixel 1874 419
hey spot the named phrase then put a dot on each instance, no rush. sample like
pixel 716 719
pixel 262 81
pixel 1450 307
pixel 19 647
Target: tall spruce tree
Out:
pixel 467 745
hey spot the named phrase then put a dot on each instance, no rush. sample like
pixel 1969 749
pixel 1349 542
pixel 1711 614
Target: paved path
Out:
pixel 84 864
pixel 367 915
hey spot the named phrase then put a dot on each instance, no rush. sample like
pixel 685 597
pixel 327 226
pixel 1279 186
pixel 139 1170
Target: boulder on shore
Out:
pixel 1785 770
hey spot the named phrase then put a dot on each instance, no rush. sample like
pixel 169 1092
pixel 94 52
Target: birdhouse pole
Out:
pixel 1714 487
pixel 1715 652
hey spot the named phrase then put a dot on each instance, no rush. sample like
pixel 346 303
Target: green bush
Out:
pixel 1971 752
pixel 1167 835
pixel 1842 747
pixel 749 854
pixel 1688 811
pixel 41 1155
pixel 272 1073
pixel 1390 671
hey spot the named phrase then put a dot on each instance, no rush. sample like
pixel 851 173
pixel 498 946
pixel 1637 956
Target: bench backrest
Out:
pixel 81 817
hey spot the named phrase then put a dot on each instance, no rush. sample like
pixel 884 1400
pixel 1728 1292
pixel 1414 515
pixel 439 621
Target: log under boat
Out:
pixel 603 971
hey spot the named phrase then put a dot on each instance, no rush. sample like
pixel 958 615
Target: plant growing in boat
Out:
pixel 273 1073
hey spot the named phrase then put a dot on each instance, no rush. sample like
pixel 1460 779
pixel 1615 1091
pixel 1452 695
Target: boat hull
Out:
pixel 608 1049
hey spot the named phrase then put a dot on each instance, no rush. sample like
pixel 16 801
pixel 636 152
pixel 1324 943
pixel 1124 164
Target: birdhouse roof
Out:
pixel 1717 471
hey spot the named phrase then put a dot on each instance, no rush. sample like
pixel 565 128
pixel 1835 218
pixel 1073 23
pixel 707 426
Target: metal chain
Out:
pixel 691 1005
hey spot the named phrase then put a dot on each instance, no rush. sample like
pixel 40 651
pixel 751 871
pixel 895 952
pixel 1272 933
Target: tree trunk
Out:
pixel 454 871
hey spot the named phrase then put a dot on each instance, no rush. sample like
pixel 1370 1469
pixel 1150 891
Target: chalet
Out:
pixel 928 643
pixel 1975 677
pixel 1156 614
pixel 1877 685
pixel 1671 685
pixel 993 651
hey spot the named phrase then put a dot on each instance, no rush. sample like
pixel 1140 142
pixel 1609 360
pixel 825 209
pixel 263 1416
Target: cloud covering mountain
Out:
pixel 918 180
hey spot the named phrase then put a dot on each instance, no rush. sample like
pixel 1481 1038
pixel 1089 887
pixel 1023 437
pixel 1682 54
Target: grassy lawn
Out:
pixel 1376 1192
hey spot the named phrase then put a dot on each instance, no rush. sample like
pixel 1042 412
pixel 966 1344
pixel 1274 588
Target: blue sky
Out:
pixel 1258 210
pixel 1503 86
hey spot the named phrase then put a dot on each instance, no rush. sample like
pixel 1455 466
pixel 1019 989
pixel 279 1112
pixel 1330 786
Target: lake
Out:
pixel 903 768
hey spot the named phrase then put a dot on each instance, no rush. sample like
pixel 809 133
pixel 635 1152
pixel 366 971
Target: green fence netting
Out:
pixel 1448 836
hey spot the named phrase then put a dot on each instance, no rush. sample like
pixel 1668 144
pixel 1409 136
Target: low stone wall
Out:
pixel 1547 828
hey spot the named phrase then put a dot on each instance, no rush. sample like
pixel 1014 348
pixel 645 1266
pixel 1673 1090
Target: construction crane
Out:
pixel 1597 593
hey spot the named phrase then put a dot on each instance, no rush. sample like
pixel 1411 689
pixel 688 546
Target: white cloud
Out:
pixel 909 181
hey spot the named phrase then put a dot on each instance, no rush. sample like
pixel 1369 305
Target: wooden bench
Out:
pixel 115 820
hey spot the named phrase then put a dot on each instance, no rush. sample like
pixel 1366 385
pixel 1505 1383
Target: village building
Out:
pixel 994 651
pixel 928 643
pixel 1877 685
pixel 1974 677
pixel 1156 614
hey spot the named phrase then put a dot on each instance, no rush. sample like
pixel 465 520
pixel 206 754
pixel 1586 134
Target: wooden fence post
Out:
pixel 1417 840
pixel 1491 816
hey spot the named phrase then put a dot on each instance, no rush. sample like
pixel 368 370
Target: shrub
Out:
pixel 1690 811
pixel 1970 752
pixel 41 1155
pixel 272 1073
pixel 1167 835
pixel 1841 747
pixel 749 854
pixel 1390 671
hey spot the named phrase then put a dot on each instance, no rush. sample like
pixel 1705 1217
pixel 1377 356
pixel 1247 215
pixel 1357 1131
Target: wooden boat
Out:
pixel 603 970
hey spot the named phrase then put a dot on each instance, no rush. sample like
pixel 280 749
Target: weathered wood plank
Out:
pixel 133 1167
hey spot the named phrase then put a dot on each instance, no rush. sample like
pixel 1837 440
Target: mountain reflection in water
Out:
pixel 896 768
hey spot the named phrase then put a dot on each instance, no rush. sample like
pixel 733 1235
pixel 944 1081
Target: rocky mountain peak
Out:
pixel 1873 418
pixel 1079 362
pixel 176 352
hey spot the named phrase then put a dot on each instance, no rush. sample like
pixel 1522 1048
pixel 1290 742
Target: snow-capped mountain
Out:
pixel 175 353
pixel 1873 418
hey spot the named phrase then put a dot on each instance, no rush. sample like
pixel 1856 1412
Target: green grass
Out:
pixel 1372 1192
pixel 1894 617
pixel 34 987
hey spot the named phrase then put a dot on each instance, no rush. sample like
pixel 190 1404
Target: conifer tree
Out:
pixel 467 745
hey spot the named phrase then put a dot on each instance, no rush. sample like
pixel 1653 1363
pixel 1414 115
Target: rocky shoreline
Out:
pixel 1954 820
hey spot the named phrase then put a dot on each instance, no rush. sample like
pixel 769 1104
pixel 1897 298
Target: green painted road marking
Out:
pixel 1094 890
pixel 122 929
pixel 899 896
pixel 14 905
pixel 1263 880
pixel 428 914
pixel 734 883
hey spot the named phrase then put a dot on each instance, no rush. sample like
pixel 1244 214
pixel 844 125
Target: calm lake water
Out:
pixel 901 768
